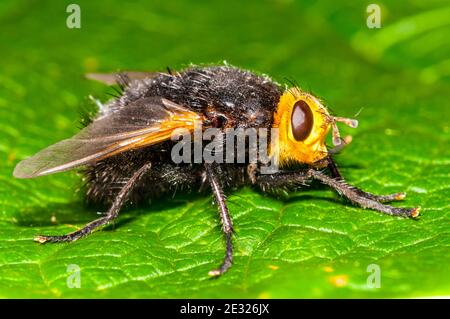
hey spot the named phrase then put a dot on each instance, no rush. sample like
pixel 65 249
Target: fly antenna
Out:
pixel 349 122
pixel 337 140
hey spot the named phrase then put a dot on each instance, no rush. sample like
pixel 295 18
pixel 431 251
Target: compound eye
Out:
pixel 302 120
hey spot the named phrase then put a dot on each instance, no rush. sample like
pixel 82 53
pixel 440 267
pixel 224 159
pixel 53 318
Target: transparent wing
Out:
pixel 120 77
pixel 145 122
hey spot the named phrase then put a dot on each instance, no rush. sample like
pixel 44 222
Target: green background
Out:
pixel 308 244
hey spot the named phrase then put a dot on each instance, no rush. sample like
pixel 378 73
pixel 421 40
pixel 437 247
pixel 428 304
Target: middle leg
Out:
pixel 227 225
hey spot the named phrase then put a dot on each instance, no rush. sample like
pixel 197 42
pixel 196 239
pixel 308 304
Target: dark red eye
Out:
pixel 302 120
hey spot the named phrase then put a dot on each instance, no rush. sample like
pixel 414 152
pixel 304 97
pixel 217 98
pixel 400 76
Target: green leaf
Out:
pixel 309 244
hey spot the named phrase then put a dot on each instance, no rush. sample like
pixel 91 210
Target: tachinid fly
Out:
pixel 126 149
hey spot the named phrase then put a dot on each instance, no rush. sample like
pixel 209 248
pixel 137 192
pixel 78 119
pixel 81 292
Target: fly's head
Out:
pixel 303 124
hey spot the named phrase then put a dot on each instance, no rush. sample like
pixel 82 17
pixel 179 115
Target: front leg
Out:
pixel 360 198
pixel 281 180
pixel 356 196
pixel 336 174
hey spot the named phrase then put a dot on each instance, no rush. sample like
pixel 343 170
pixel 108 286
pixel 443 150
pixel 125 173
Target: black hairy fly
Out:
pixel 127 148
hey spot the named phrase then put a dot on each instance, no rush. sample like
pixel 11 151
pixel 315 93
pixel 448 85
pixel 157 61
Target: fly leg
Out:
pixel 227 225
pixel 360 198
pixel 356 196
pixel 379 198
pixel 286 180
pixel 112 213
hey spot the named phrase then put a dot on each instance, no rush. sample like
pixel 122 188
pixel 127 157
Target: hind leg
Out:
pixel 112 213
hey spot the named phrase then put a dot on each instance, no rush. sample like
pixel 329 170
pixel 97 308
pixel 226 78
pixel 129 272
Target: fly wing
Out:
pixel 118 78
pixel 145 122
